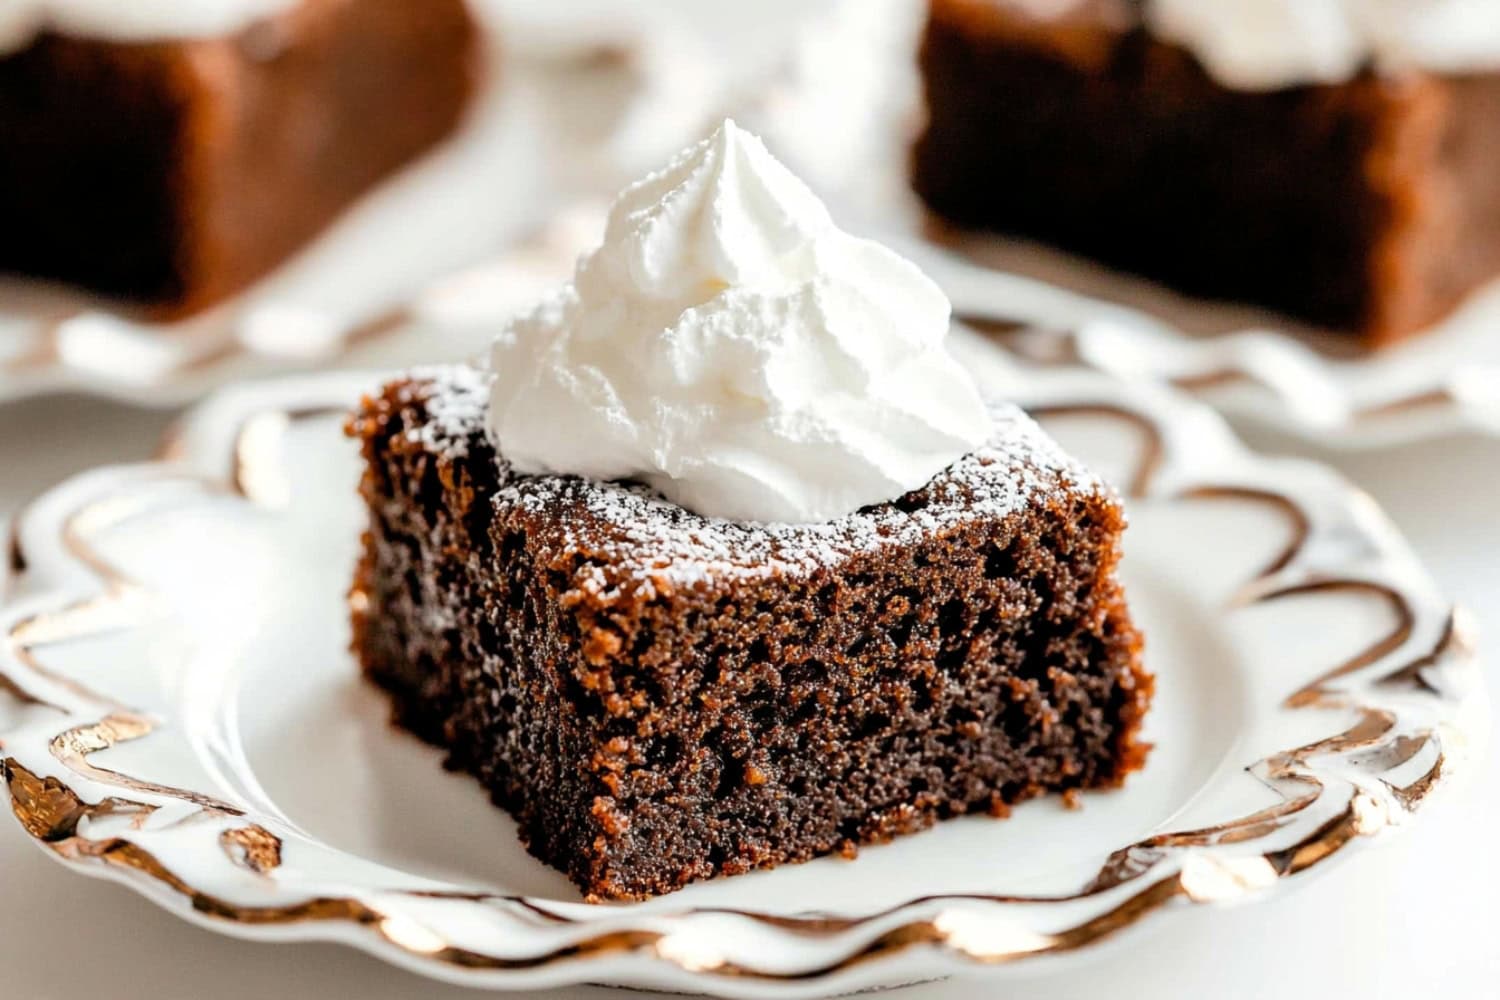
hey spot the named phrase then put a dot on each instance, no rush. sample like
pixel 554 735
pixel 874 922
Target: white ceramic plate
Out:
pixel 1253 366
pixel 178 713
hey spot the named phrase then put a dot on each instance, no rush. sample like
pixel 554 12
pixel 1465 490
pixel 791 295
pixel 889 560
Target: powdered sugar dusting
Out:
pixel 454 411
pixel 633 537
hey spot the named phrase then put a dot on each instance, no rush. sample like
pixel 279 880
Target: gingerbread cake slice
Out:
pixel 172 164
pixel 1349 189
pixel 660 697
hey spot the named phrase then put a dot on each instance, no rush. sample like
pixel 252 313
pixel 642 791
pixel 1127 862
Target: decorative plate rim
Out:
pixel 1414 692
pixel 1257 373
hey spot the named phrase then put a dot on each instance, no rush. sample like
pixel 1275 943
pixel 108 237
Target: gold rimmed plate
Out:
pixel 1260 369
pixel 179 713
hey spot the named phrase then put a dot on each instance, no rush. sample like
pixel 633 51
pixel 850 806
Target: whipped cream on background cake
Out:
pixel 728 345
pixel 129 20
pixel 1261 44
pixel 1270 44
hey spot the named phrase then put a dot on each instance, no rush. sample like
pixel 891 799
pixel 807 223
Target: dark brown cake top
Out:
pixel 635 537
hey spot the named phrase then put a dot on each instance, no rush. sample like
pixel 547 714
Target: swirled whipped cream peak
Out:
pixel 732 348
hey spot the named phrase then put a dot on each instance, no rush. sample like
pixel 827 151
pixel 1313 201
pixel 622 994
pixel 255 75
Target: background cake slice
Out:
pixel 174 171
pixel 1369 204
pixel 660 697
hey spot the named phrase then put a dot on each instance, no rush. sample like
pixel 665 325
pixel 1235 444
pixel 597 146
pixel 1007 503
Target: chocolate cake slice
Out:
pixel 659 697
pixel 173 173
pixel 1370 206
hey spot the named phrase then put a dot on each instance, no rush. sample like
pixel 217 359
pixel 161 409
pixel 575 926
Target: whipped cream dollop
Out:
pixel 129 20
pixel 732 348
pixel 1269 44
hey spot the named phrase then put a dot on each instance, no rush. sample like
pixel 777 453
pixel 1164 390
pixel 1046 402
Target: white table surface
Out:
pixel 1412 918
